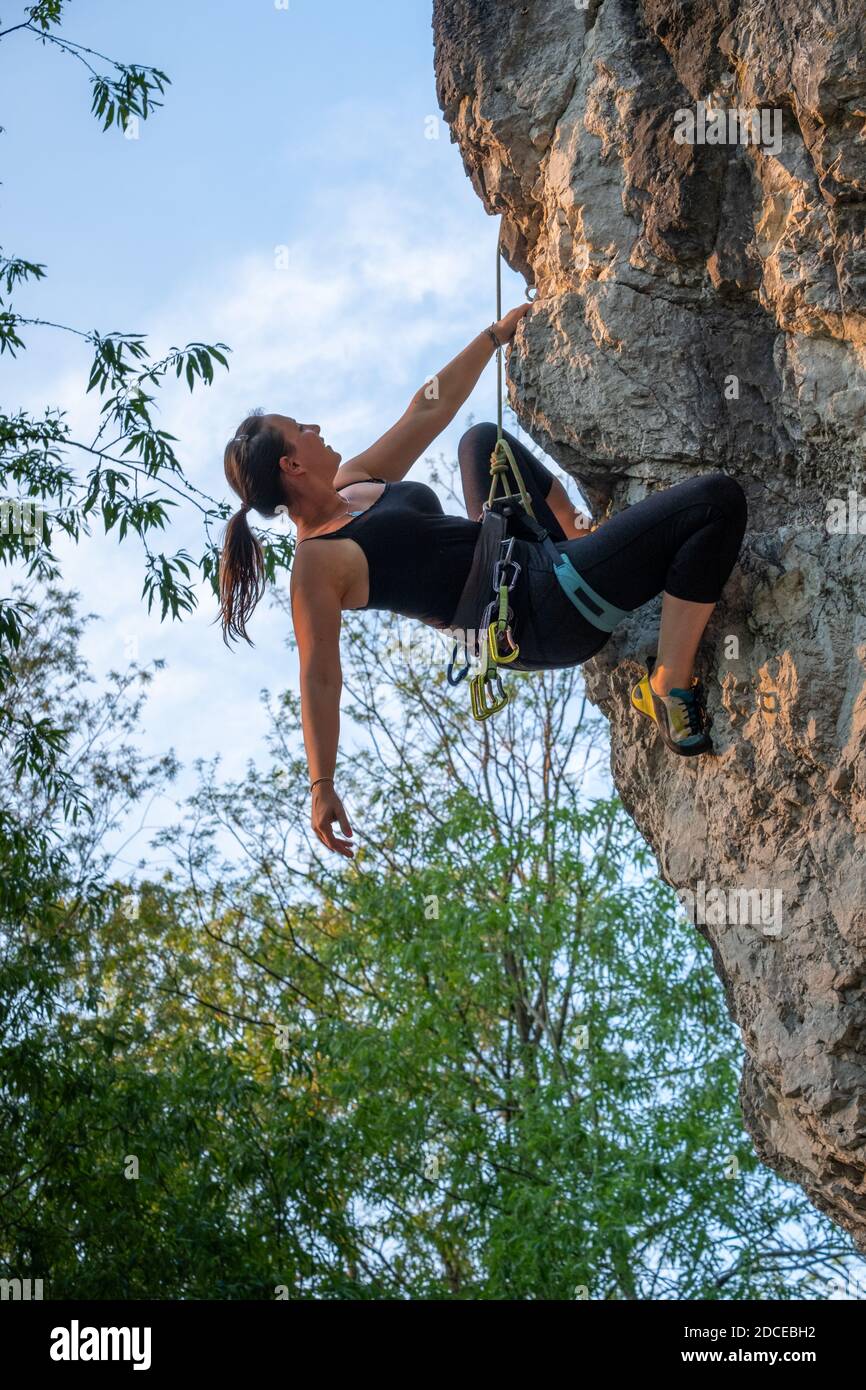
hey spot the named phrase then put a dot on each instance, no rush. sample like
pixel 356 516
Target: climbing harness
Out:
pixel 492 641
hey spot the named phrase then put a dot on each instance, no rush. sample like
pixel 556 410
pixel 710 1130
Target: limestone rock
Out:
pixel 701 305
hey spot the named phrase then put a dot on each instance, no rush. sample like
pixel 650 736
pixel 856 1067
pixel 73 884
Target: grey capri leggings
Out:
pixel 683 540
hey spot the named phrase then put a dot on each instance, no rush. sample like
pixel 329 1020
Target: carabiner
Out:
pixel 495 635
pixel 480 708
pixel 452 679
pixel 503 562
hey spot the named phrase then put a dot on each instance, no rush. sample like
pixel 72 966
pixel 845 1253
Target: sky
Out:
pixel 288 200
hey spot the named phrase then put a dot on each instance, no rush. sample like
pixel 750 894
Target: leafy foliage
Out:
pixel 486 1060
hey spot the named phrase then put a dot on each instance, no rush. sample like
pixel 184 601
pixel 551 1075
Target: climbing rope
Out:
pixel 498 647
pixel 502 459
pixel 512 512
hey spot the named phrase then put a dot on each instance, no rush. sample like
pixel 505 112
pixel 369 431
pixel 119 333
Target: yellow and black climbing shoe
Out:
pixel 679 716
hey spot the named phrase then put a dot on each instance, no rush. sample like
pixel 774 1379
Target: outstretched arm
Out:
pixel 431 409
pixel 448 390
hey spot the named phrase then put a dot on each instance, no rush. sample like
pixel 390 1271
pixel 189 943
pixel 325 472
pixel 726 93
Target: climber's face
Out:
pixel 311 454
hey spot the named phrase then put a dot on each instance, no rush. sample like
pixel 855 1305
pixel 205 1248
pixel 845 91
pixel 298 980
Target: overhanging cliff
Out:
pixel 701 280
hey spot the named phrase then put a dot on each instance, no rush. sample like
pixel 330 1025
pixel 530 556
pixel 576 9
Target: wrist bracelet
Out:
pixel 320 779
pixel 493 336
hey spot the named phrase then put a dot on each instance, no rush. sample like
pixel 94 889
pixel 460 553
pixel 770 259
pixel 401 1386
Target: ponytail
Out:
pixel 252 467
pixel 242 577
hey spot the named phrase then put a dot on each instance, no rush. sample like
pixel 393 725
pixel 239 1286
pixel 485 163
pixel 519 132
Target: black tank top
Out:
pixel 418 556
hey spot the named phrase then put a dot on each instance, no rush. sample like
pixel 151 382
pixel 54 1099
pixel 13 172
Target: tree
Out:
pixel 487 1059
pixel 514 1048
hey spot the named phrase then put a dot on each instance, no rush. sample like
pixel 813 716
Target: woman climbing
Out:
pixel 392 547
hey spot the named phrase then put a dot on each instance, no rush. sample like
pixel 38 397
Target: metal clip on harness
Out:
pixel 496 628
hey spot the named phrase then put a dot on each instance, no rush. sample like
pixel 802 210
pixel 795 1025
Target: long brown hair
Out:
pixel 252 467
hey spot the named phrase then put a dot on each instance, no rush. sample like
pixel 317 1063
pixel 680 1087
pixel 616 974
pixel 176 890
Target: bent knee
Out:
pixel 477 435
pixel 726 493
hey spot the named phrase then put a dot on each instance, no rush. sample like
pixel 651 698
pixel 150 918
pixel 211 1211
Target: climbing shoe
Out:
pixel 680 716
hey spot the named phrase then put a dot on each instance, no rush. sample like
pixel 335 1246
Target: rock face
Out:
pixel 700 305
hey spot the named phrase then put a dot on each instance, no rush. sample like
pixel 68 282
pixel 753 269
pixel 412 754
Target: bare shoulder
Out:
pixel 351 472
pixel 320 577
pixel 316 591
pixel 316 565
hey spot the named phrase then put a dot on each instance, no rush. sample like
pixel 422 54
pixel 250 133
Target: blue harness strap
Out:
pixel 591 605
